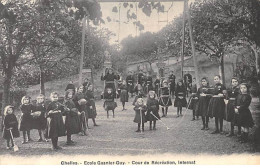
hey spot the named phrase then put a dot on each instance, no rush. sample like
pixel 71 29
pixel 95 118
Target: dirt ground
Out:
pixel 117 136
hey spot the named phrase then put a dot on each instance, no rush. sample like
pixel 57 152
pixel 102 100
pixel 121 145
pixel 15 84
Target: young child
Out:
pixel 10 125
pixel 26 118
pixel 72 122
pixel 217 105
pixel 204 97
pixel 152 107
pixel 109 103
pixel 180 100
pixel 140 110
pixel 81 105
pixel 92 112
pixel 40 122
pixel 139 93
pixel 241 105
pixel 193 101
pixel 55 125
pixel 123 94
pixel 165 98
pixel 232 93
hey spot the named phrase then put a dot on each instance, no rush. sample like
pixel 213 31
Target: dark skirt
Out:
pixel 137 118
pixel 92 113
pixel 72 123
pixel 55 126
pixel 230 111
pixel 245 118
pixel 180 102
pixel 124 96
pixel 203 104
pixel 108 105
pixel 26 122
pixel 39 123
pixel 165 101
pixel 7 134
pixel 216 107
pixel 193 103
pixel 150 117
pixel 131 88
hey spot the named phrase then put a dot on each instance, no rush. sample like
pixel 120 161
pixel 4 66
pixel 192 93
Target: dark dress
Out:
pixel 152 106
pixel 216 104
pixel 172 82
pixel 180 94
pixel 140 78
pixel 149 83
pixel 55 125
pixel 138 114
pixel 92 113
pixel 203 101
pixel 26 118
pixel 10 120
pixel 165 97
pixel 109 103
pixel 124 93
pixel 230 111
pixel 244 117
pixel 157 86
pixel 72 121
pixel 40 122
pixel 110 81
pixel 193 101
pixel 130 83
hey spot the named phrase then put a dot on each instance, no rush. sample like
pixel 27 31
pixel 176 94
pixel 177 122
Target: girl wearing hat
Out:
pixel 152 109
pixel 165 98
pixel 180 100
pixel 10 126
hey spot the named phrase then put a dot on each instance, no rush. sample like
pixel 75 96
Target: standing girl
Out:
pixel 72 122
pixel 157 85
pixel 109 103
pixel 92 112
pixel 26 118
pixel 232 93
pixel 40 121
pixel 193 101
pixel 180 100
pixel 217 106
pixel 203 102
pixel 123 94
pixel 165 98
pixel 10 126
pixel 55 125
pixel 241 104
pixel 140 110
pixel 152 107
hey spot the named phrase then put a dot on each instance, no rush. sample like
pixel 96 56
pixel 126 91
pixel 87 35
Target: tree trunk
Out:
pixel 221 70
pixel 6 94
pixel 42 81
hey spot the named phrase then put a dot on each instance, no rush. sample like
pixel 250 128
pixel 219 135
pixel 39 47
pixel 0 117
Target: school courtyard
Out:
pixel 117 136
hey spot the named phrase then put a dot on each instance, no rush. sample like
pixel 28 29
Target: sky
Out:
pixel 150 23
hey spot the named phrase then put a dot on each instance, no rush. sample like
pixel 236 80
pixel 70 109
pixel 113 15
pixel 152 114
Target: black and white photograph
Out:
pixel 130 82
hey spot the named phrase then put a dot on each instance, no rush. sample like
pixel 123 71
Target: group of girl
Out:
pixel 230 104
pixel 52 120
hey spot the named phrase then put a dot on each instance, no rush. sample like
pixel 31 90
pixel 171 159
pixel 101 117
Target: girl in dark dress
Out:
pixel 81 104
pixel 152 107
pixel 242 103
pixel 217 105
pixel 140 110
pixel 165 98
pixel 10 125
pixel 130 83
pixel 72 121
pixel 92 112
pixel 230 115
pixel 55 125
pixel 180 100
pixel 40 121
pixel 109 103
pixel 26 118
pixel 123 94
pixel 139 93
pixel 204 97
pixel 157 85
pixel 193 101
